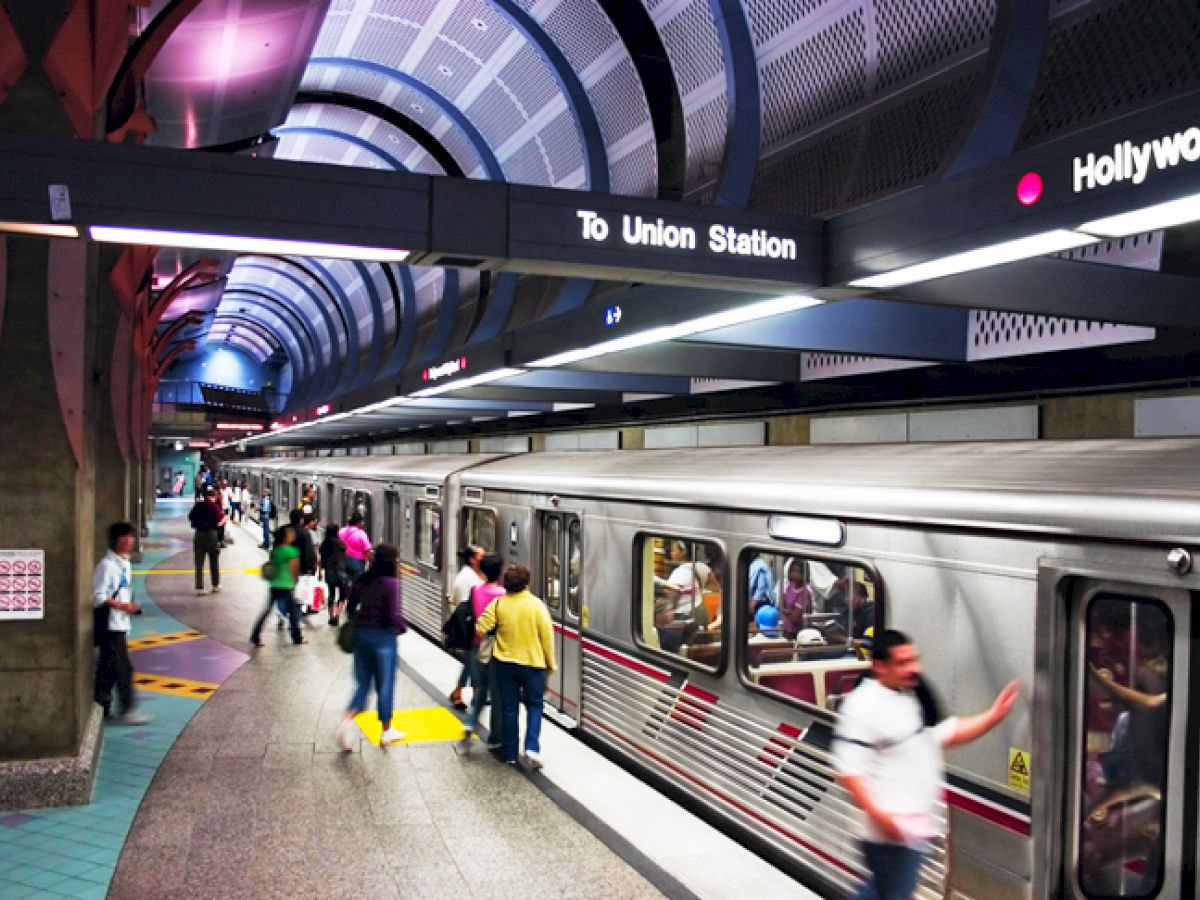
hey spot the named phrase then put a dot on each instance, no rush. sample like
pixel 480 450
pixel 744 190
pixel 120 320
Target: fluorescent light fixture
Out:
pixel 980 258
pixel 39 229
pixel 1149 218
pixel 472 381
pixel 737 316
pixel 189 240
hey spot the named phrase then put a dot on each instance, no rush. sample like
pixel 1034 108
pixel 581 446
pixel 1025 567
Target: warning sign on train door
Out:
pixel 1018 770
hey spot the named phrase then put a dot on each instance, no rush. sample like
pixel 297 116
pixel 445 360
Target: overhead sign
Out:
pixel 22 584
pixel 1134 162
pixel 445 370
pixel 639 231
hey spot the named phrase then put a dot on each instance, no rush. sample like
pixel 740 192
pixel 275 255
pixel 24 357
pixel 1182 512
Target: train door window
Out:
pixel 362 506
pixel 679 608
pixel 331 510
pixel 308 497
pixel 479 527
pixel 551 564
pixel 347 504
pixel 574 568
pixel 1122 789
pixel 428 534
pixel 808 625
pixel 285 495
pixel 391 518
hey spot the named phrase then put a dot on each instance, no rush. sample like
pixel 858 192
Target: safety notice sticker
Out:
pixel 22 584
pixel 1018 770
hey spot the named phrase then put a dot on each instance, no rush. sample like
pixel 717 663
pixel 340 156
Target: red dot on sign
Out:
pixel 1029 188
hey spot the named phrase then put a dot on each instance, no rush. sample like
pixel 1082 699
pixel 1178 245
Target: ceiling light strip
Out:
pixel 189 240
pixel 738 316
pixel 40 229
pixel 1150 218
pixel 980 258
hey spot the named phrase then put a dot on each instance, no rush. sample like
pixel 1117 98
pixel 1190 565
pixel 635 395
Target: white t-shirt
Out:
pixel 246 499
pixel 464 582
pixel 112 576
pixel 881 737
pixel 690 579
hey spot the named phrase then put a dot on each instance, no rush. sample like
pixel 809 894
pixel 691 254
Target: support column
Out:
pixel 47 489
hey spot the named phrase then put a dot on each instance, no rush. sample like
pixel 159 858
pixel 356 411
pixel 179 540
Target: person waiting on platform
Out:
pixel 483 675
pixel 375 606
pixel 523 656
pixel 333 566
pixel 469 576
pixel 358 546
pixel 206 519
pixel 282 571
pixel 113 604
pixel 266 513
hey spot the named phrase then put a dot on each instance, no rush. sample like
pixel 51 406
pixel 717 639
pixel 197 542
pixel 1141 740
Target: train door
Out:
pixel 559 572
pixel 1130 794
pixel 391 518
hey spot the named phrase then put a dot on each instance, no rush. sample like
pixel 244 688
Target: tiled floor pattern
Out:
pixel 73 851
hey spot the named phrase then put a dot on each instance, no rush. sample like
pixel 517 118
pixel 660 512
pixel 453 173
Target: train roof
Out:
pixel 1127 490
pixel 433 467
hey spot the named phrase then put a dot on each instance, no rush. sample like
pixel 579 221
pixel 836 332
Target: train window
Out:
pixel 362 506
pixel 347 503
pixel 551 568
pixel 679 597
pixel 428 534
pixel 808 625
pixel 1126 711
pixel 285 495
pixel 574 567
pixel 391 518
pixel 308 497
pixel 479 527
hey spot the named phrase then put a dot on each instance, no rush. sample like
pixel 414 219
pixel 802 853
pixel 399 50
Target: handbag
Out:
pixel 306 586
pixel 347 634
pixel 488 645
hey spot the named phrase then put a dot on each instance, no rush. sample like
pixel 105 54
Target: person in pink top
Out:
pixel 482 676
pixel 358 547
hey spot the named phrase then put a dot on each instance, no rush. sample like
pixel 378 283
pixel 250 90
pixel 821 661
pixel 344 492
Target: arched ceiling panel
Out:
pixel 416 104
pixel 225 332
pixel 389 139
pixel 252 308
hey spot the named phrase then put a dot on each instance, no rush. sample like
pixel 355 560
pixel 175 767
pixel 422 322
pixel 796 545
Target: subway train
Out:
pixel 1067 565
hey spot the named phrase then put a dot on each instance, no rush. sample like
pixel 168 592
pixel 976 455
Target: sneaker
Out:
pixel 465 741
pixel 390 736
pixel 531 760
pixel 133 717
pixel 216 589
pixel 345 735
pixel 200 592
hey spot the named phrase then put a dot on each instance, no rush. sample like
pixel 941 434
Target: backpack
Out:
pixel 459 631
pixel 268 570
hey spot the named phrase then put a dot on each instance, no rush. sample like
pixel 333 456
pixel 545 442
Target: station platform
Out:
pixel 238 789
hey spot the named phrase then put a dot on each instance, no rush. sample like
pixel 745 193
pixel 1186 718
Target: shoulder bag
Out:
pixel 488 645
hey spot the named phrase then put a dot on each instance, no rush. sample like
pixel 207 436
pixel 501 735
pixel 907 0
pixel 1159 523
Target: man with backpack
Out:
pixel 888 752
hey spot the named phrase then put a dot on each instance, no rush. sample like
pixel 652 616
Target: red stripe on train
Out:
pixel 988 811
pixel 774 751
pixel 627 661
pixel 721 795
pixel 567 631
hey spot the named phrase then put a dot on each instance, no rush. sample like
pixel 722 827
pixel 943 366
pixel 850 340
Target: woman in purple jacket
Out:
pixel 374 605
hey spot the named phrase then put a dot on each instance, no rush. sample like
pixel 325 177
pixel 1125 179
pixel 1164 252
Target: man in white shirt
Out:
pixel 468 578
pixel 888 751
pixel 112 604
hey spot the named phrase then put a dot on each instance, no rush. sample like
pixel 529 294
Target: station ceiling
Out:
pixel 880 134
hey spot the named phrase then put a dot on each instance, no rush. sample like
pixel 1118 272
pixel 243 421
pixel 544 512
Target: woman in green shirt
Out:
pixel 285 570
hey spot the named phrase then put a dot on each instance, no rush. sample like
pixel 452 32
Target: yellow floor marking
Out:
pixel 251 571
pixel 147 641
pixel 419 725
pixel 176 687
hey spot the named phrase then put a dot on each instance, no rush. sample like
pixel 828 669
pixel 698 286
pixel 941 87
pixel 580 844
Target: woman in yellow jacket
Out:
pixel 523 656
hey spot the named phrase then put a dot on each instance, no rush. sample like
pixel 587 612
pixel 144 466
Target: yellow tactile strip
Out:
pixel 163 640
pixel 419 725
pixel 252 570
pixel 176 687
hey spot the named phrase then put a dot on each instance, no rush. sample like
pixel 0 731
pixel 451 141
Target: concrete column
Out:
pixel 47 485
pixel 116 480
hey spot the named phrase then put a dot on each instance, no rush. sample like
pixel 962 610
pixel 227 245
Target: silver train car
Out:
pixel 1064 564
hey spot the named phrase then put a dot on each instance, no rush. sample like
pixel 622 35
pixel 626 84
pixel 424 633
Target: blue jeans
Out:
pixel 266 527
pixel 375 656
pixel 521 684
pixel 894 870
pixel 281 599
